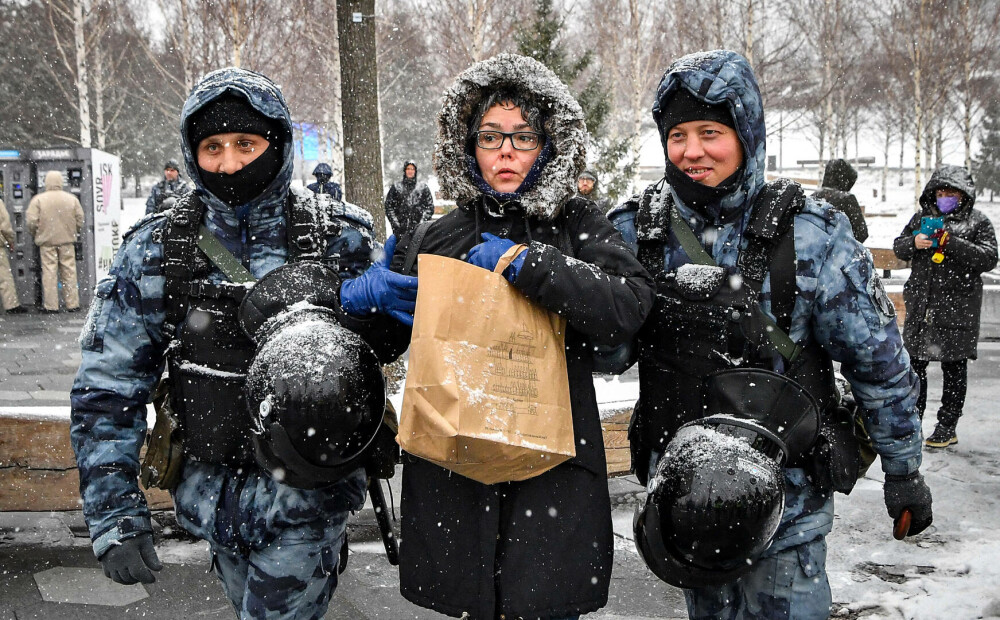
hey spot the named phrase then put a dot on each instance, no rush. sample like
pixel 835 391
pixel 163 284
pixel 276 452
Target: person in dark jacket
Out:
pixel 511 141
pixel 838 179
pixel 943 298
pixel 408 202
pixel 172 187
pixel 714 207
pixel 323 184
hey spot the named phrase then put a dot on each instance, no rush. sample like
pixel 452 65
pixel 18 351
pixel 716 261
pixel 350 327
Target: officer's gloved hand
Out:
pixel 131 561
pixel 909 492
pixel 380 290
pixel 488 253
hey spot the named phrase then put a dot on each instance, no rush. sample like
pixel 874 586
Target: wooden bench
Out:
pixel 38 467
pixel 885 259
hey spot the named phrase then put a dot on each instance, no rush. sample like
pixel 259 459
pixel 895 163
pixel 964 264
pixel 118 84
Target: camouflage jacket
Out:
pixel 162 190
pixel 124 339
pixel 840 302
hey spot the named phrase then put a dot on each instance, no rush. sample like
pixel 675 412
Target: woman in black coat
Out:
pixel 943 298
pixel 510 145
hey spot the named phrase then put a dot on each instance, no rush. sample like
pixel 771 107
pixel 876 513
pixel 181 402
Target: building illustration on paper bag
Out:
pixel 513 374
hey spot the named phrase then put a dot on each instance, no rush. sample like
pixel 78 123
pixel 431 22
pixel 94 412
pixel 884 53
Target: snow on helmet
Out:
pixel 315 389
pixel 717 496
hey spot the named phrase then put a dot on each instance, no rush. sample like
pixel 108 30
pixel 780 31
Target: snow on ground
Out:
pixel 950 570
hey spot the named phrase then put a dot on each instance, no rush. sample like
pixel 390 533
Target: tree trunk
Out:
pixel 885 160
pixel 98 78
pixel 234 16
pixel 916 56
pixel 336 102
pixel 83 97
pixel 902 150
pixel 359 80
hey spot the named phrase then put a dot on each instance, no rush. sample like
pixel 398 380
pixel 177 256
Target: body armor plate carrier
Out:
pixel 698 328
pixel 209 354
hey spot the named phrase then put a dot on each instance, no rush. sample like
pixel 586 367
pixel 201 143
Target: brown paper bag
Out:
pixel 487 394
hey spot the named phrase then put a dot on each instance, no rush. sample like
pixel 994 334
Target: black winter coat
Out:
pixel 943 299
pixel 408 203
pixel 838 179
pixel 543 547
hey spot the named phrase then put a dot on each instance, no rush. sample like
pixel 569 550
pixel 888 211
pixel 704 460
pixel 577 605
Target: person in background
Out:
pixel 408 202
pixel 838 179
pixel 170 188
pixel 586 187
pixel 944 292
pixel 323 184
pixel 8 293
pixel 55 219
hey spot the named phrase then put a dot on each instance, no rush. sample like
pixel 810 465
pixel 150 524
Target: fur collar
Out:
pixel 565 128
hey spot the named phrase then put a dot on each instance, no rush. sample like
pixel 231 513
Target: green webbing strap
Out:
pixel 783 344
pixel 223 258
pixel 689 243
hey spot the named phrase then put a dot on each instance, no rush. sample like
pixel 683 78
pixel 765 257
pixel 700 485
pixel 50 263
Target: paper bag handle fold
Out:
pixel 508 257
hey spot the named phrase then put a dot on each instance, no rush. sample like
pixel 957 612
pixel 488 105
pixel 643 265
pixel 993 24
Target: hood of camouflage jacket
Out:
pixel 722 77
pixel 564 128
pixel 265 97
pixel 955 177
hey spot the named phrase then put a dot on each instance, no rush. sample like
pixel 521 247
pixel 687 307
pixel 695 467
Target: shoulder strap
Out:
pixel 413 249
pixel 223 258
pixel 689 243
pixel 179 247
pixel 309 224
pixel 783 288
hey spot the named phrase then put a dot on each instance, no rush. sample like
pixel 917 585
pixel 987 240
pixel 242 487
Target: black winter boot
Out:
pixel 944 431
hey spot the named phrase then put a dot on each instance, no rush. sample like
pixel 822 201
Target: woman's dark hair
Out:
pixel 531 112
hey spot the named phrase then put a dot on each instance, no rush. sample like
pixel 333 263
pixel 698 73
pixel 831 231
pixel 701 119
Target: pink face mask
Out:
pixel 947 204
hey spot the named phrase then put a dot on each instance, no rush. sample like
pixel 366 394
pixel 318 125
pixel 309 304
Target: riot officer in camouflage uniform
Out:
pixel 794 266
pixel 170 300
pixel 173 186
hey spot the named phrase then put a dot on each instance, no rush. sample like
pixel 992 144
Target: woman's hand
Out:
pixel 922 242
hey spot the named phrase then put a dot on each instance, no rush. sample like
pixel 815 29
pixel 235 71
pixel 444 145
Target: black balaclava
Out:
pixel 684 107
pixel 231 113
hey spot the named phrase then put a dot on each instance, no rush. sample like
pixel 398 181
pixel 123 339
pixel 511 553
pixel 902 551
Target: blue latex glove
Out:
pixel 488 253
pixel 381 290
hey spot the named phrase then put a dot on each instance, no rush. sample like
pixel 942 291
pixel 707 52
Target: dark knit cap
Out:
pixel 172 165
pixel 232 113
pixel 587 174
pixel 684 107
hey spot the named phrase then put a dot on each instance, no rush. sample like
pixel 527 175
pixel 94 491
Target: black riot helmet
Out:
pixel 315 389
pixel 717 496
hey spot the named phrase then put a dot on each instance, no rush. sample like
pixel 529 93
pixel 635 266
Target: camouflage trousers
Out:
pixel 789 581
pixel 275 548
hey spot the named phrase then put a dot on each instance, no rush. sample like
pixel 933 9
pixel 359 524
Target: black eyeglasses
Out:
pixel 520 140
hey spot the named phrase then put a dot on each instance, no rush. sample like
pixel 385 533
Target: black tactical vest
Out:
pixel 209 354
pixel 693 333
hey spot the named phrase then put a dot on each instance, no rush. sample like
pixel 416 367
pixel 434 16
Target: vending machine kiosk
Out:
pixel 94 177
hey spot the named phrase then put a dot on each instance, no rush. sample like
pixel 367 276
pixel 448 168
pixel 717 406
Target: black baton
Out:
pixel 384 525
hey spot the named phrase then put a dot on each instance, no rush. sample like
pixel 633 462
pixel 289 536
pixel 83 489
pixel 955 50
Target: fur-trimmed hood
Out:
pixel 564 127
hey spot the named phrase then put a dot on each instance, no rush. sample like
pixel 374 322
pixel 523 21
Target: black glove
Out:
pixel 909 492
pixel 131 561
